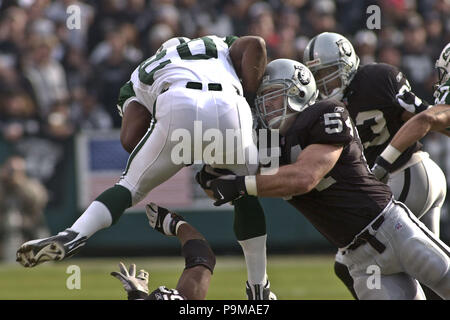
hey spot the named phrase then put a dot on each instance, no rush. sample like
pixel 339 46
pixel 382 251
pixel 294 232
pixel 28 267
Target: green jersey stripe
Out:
pixel 230 39
pixel 126 92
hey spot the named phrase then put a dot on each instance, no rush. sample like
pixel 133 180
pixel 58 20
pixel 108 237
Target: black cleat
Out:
pixel 259 292
pixel 64 245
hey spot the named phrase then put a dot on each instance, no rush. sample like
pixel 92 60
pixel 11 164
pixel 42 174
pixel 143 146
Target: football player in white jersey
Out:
pixel 200 81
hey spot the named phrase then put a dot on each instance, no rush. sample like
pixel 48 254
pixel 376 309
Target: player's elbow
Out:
pixel 428 119
pixel 258 43
pixel 255 47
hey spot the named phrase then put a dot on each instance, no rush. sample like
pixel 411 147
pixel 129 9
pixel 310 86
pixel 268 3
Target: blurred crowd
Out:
pixel 56 80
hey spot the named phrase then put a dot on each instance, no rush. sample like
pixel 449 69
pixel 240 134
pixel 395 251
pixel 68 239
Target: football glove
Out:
pixel 163 220
pixel 228 188
pixel 207 174
pixel 411 103
pixel 135 286
pixel 381 169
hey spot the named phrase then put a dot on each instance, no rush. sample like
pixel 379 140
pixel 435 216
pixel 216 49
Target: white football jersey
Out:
pixel 203 60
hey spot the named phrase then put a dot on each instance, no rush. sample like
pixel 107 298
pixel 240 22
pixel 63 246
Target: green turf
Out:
pixel 291 277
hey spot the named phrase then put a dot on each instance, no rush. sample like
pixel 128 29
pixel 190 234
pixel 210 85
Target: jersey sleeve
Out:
pixel 229 40
pixel 399 91
pixel 332 125
pixel 126 95
pixel 163 293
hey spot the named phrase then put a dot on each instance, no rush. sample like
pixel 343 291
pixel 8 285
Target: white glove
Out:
pixel 136 285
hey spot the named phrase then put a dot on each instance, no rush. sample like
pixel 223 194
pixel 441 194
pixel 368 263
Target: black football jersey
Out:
pixel 163 293
pixel 349 197
pixel 371 101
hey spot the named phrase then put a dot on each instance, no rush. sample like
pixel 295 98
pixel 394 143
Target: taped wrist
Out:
pixel 250 185
pixel 390 154
pixel 198 252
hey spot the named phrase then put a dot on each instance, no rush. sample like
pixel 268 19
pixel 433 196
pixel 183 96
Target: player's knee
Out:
pixel 198 252
pixel 424 261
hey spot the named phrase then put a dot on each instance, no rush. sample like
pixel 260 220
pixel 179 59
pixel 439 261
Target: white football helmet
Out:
pixel 333 62
pixel 290 82
pixel 443 67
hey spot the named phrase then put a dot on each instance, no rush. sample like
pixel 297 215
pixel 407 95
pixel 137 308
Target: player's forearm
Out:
pixel 442 122
pixel 445 132
pixel 313 163
pixel 409 133
pixel 288 181
pixel 436 118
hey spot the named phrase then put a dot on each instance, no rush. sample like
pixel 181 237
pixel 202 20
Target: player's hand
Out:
pixel 135 286
pixel 207 174
pixel 381 169
pixel 228 188
pixel 410 102
pixel 163 220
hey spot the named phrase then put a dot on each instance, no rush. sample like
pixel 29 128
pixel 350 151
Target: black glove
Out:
pixel 381 169
pixel 228 188
pixel 208 173
pixel 410 102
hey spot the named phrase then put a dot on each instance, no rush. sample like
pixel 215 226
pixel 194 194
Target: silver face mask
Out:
pixel 272 113
pixel 288 88
pixel 328 50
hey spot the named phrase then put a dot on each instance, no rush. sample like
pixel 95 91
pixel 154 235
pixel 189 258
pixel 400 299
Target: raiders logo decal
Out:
pixel 344 47
pixel 302 75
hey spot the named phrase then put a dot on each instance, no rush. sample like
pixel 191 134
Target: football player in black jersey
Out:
pixel 379 101
pixel 200 261
pixel 325 176
pixel 436 118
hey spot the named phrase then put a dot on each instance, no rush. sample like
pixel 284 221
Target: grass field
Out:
pixel 292 278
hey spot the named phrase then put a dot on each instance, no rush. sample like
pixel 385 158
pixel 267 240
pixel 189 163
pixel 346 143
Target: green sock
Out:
pixel 249 219
pixel 117 199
